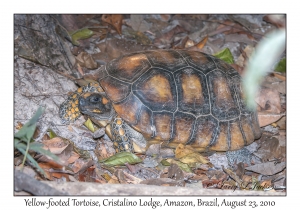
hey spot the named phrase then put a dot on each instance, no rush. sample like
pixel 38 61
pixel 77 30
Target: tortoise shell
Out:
pixel 178 96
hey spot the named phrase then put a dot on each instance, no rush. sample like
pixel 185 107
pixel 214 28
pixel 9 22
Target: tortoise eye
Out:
pixel 95 99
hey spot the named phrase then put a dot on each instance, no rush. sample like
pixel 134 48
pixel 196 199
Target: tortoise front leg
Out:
pixel 124 136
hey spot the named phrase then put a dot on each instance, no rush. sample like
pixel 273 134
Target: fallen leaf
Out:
pixel 183 166
pixel 269 100
pixel 189 43
pixel 192 159
pixel 149 162
pixel 165 162
pixel 121 176
pixel 183 150
pixel 202 43
pixel 140 37
pixel 86 60
pixel 52 134
pixel 106 176
pixel 113 180
pixel 281 123
pixel 114 48
pixel 138 23
pixel 240 169
pixel 277 20
pixel 167 37
pixel 78 164
pixel 243 38
pixel 266 118
pixel 234 176
pixel 120 159
pixel 174 172
pixel 55 145
pixel 225 55
pixel 210 183
pixel 74 156
pixel 133 168
pixel 115 20
pixel 164 182
pixel 60 175
pixel 83 33
pixel 281 66
pixel 133 179
pixel 279 76
pixel 153 149
pixel 87 173
pixel 89 125
pixel 270 148
pixel 268 168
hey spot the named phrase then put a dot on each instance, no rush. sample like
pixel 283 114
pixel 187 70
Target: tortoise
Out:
pixel 170 97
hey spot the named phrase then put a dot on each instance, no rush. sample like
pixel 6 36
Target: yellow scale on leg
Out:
pixel 120 135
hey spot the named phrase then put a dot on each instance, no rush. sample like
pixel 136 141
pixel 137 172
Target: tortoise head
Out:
pixel 96 105
pixel 89 99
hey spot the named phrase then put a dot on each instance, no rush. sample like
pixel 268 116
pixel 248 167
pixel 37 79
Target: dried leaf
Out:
pixel 183 166
pixel 202 43
pixel 115 20
pixel 86 60
pixel 139 36
pixel 269 100
pixel 78 164
pixel 74 156
pixel 268 168
pixel 87 174
pixel 234 176
pixel 55 145
pixel 60 175
pixel 192 159
pixel 167 37
pixel 270 148
pixel 120 159
pixel 210 183
pixel 189 43
pixel 153 149
pixel 164 182
pixel 277 20
pixel 267 118
pixel 106 176
pixel 174 172
pixel 182 150
pixel 134 180
pixel 279 76
pixel 115 48
pixel 138 23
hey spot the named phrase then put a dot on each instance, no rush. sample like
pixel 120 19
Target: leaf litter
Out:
pixel 163 166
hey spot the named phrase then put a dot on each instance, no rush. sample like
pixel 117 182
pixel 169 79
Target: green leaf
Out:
pixel 83 33
pixel 89 125
pixel 225 55
pixel 34 163
pixel 27 131
pixel 281 66
pixel 37 147
pixel 120 159
pixel 52 134
pixel 183 166
pixel 165 162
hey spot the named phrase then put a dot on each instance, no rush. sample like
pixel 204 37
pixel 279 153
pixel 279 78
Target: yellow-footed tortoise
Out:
pixel 168 97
